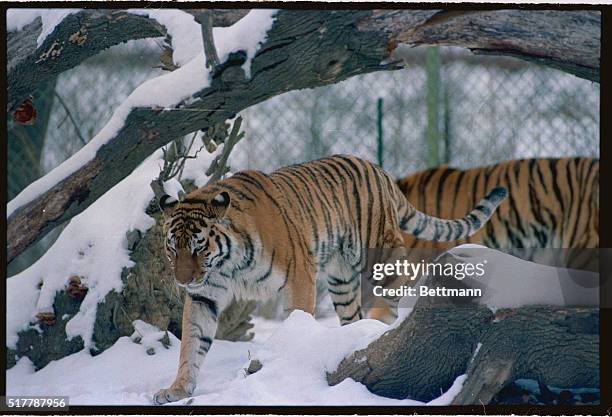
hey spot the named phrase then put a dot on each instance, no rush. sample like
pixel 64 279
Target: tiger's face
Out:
pixel 197 239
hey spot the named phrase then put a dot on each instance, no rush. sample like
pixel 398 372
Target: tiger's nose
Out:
pixel 186 268
pixel 185 274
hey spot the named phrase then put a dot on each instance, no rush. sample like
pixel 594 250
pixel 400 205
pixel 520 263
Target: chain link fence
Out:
pixel 86 96
pixel 446 107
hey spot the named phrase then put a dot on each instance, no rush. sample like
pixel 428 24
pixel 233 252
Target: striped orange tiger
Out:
pixel 553 203
pixel 255 235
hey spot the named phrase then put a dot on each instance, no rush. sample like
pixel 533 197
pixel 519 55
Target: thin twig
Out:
pixel 63 103
pixel 187 156
pixel 212 58
pixel 218 168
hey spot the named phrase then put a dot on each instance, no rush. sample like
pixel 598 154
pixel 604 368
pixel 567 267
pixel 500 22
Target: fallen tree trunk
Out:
pixel 306 50
pixel 556 346
pixel 546 37
pixel 439 342
pixel 149 294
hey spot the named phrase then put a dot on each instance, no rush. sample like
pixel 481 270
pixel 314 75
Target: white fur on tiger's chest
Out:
pixel 266 289
pixel 261 280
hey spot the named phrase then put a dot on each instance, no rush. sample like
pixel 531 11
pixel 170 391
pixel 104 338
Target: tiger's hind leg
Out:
pixel 344 286
pixel 385 307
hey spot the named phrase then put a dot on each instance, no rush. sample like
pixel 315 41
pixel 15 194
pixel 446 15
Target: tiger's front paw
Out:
pixel 169 395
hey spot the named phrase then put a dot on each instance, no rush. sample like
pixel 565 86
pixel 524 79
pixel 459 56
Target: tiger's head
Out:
pixel 197 238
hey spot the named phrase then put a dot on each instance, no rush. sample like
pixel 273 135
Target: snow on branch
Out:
pixel 39 49
pixel 261 57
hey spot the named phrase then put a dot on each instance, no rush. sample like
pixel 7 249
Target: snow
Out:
pixel 183 29
pixel 247 34
pixel 93 246
pixel 22 295
pixel 510 282
pixel 16 19
pixel 147 335
pixel 296 354
pixel 166 91
pixel 478 346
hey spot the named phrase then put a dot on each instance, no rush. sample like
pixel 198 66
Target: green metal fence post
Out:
pixel 447 128
pixel 433 106
pixel 379 124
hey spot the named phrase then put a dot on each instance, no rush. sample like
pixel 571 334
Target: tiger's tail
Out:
pixel 426 227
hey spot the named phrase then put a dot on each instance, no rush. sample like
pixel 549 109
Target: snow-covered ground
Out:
pixel 295 355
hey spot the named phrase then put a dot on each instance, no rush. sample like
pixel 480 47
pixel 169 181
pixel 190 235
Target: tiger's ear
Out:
pixel 165 202
pixel 220 204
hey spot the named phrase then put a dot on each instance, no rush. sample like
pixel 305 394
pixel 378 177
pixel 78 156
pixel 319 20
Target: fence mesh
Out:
pixel 465 111
pixel 462 110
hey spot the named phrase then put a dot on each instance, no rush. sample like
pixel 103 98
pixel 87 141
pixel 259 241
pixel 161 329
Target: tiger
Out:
pixel 255 235
pixel 553 203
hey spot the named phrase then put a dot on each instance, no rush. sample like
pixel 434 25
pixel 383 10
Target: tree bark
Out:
pixel 149 294
pixel 303 50
pixel 547 37
pixel 438 342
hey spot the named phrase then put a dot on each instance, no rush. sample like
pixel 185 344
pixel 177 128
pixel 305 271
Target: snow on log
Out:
pixel 300 50
pixel 495 341
pixel 43 43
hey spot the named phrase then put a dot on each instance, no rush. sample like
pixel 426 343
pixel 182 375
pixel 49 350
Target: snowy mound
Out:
pixel 295 357
pixel 511 282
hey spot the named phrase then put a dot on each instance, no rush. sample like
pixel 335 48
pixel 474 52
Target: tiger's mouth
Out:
pixel 196 283
pixel 193 285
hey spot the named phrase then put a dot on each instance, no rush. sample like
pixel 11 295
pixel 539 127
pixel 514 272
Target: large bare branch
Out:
pixel 565 40
pixel 306 50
